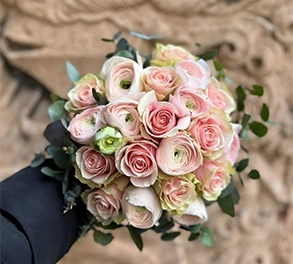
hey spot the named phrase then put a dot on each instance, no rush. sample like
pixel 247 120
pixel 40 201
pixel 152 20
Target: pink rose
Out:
pixel 83 126
pixel 190 101
pixel 161 119
pixel 123 114
pixel 163 80
pixel 81 96
pixel 233 149
pixel 137 161
pixel 196 72
pixel 195 214
pixel 141 207
pixel 169 55
pixel 105 203
pixel 213 132
pixel 122 77
pixel 176 193
pixel 94 166
pixel 178 155
pixel 220 96
pixel 214 176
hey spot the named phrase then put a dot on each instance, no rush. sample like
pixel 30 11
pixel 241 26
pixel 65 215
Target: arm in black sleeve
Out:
pixel 33 226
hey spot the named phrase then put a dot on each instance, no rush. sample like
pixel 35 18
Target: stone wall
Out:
pixel 255 40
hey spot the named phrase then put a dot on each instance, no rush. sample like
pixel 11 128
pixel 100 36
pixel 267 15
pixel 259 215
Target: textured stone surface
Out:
pixel 255 40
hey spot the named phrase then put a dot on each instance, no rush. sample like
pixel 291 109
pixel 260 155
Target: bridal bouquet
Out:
pixel 148 142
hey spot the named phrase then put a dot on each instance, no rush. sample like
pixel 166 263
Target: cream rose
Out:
pixel 83 126
pixel 81 96
pixel 178 155
pixel 137 161
pixel 105 203
pixel 195 214
pixel 176 193
pixel 213 132
pixel 163 80
pixel 122 77
pixel 169 55
pixel 94 166
pixel 214 176
pixel 141 207
pixel 123 114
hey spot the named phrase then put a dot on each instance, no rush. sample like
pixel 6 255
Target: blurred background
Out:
pixel 255 43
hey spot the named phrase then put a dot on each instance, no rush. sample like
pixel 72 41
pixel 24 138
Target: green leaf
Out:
pixel 51 150
pixel 193 236
pixel 48 171
pixel 245 120
pixel 240 179
pixel 240 106
pixel 228 190
pixel 257 90
pixel 111 226
pixel 227 205
pixel 102 238
pixel 125 54
pixel 54 97
pixel 258 129
pixel 99 98
pixel 117 35
pixel 107 40
pixel 240 93
pixel 38 160
pixel 143 36
pixel 208 55
pixel 264 113
pixel 108 56
pixel 61 159
pixel 136 237
pixel 195 229
pixel 57 111
pixel 59 177
pixel 235 196
pixel 242 165
pixel 254 174
pixel 170 236
pixel 165 224
pixel 207 237
pixel 244 134
pixel 122 44
pixel 72 72
pixel 218 66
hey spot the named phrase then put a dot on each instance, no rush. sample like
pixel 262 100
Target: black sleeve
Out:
pixel 33 226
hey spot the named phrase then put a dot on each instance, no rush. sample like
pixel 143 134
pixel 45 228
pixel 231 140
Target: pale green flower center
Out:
pixel 125 84
pixel 189 105
pixel 128 118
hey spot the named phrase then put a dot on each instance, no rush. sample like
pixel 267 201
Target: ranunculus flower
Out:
pixel 213 132
pixel 137 161
pixel 190 101
pixel 105 203
pixel 123 114
pixel 233 149
pixel 81 96
pixel 195 214
pixel 169 55
pixel 178 155
pixel 161 119
pixel 214 176
pixel 83 126
pixel 122 77
pixel 141 207
pixel 196 72
pixel 220 96
pixel 107 140
pixel 163 80
pixel 176 193
pixel 92 166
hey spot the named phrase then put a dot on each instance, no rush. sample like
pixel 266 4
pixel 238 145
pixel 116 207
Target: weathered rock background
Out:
pixel 255 39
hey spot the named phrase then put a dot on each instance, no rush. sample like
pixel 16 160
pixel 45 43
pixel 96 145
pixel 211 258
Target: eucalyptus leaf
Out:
pixel 122 44
pixel 227 205
pixel 208 55
pixel 241 166
pixel 136 237
pixel 244 134
pixel 48 171
pixel 51 150
pixel 207 237
pixel 258 129
pixel 264 113
pixel 195 228
pixel 72 72
pixel 57 111
pixel 254 174
pixel 102 238
pixel 59 177
pixel 193 236
pixel 61 159
pixel 38 160
pixel 170 236
pixel 125 54
pixel 117 35
pixel 143 36
pixel 165 224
